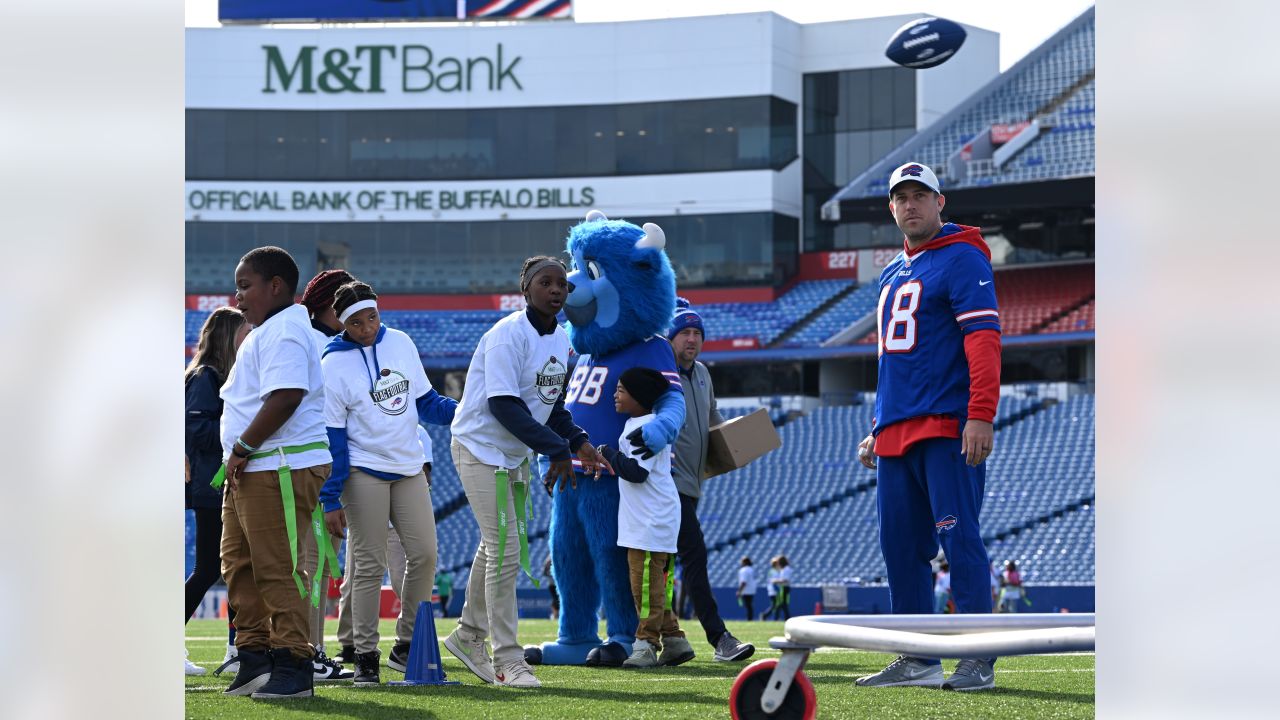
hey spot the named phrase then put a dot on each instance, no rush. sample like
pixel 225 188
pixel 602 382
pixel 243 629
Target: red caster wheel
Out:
pixel 747 696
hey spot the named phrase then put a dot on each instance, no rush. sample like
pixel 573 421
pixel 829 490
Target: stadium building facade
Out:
pixel 433 160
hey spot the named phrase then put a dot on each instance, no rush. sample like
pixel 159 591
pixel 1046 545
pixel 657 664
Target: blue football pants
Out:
pixel 926 498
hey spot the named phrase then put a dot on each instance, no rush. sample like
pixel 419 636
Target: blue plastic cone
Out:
pixel 424 651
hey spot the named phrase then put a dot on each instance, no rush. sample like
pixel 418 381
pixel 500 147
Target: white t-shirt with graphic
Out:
pixel 648 512
pixel 511 359
pixel 374 398
pixel 747 579
pixel 281 353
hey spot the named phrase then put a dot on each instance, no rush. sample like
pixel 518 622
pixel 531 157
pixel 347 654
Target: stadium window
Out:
pixel 724 249
pixel 881 98
pixel 492 143
pixel 855 101
pixel 904 97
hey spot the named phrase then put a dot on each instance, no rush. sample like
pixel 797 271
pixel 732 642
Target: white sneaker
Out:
pixel 642 656
pixel 472 653
pixel 194 669
pixel 230 661
pixel 516 674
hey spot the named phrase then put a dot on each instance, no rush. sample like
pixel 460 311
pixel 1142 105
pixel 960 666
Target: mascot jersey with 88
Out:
pixel 622 298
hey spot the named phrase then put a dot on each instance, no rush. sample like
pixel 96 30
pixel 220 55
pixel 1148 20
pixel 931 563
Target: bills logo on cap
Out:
pixel 914 172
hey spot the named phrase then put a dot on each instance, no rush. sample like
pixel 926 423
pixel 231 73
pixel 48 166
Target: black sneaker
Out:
pixel 399 657
pixel 255 671
pixel 731 649
pixel 290 677
pixel 367 669
pixel 347 656
pixel 326 670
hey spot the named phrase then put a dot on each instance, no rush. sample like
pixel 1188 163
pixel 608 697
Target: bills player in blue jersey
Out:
pixel 937 389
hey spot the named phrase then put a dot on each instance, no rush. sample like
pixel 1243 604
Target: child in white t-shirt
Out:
pixel 648 517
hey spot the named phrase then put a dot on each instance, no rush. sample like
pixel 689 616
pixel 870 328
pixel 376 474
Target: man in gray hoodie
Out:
pixel 687 464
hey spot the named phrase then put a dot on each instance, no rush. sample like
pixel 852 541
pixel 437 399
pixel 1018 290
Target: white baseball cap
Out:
pixel 918 172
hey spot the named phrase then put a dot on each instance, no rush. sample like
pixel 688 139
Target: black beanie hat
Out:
pixel 645 385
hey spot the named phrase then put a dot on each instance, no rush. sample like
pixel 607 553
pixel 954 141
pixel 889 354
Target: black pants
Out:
pixel 208 566
pixel 780 609
pixel 748 602
pixel 692 551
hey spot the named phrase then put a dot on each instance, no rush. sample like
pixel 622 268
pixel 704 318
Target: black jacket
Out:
pixel 203 444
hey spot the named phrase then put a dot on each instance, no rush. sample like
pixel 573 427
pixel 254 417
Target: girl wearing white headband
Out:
pixel 376 393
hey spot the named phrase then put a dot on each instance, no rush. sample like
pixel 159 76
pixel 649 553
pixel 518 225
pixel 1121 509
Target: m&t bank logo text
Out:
pixel 374 68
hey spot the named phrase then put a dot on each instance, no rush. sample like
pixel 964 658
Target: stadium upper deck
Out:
pixel 1034 122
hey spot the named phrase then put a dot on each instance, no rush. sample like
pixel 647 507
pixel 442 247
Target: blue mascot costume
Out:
pixel 622 296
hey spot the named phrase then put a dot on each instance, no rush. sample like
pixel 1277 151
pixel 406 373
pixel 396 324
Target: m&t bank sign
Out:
pixel 374 68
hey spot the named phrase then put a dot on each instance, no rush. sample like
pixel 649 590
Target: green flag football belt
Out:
pixel 520 490
pixel 324 550
pixel 644 584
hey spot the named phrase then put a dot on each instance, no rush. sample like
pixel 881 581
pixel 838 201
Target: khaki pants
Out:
pixel 661 621
pixel 490 606
pixel 256 562
pixel 369 502
pixel 396 565
pixel 346 638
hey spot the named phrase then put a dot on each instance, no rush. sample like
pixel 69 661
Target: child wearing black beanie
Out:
pixel 648 517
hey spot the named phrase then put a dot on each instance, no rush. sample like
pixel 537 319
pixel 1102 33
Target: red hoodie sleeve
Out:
pixel 982 348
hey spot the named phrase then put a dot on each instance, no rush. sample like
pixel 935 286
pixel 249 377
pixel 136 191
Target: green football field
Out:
pixel 1055 686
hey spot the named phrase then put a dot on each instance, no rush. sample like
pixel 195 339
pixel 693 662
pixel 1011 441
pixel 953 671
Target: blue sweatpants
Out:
pixel 927 497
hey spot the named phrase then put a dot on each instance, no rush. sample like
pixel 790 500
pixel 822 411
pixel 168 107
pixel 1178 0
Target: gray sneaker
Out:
pixel 675 651
pixel 904 671
pixel 971 675
pixel 642 656
pixel 731 649
pixel 471 651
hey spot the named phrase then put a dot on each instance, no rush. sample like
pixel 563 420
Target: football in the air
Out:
pixel 925 43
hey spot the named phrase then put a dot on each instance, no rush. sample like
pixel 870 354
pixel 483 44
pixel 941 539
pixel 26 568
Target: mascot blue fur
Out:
pixel 622 298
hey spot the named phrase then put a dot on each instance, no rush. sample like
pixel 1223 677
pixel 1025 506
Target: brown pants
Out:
pixel 661 621
pixel 256 563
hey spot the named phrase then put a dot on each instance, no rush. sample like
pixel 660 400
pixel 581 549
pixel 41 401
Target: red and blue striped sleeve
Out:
pixel 973 291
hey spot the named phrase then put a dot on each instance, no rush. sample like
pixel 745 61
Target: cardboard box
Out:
pixel 735 443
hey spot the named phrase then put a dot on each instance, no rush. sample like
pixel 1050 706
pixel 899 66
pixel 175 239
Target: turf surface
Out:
pixel 1058 686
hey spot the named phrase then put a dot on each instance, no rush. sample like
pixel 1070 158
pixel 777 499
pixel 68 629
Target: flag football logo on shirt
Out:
pixel 391 393
pixel 551 380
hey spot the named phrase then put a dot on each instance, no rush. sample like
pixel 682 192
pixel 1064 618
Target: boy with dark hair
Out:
pixel 273 438
pixel 648 519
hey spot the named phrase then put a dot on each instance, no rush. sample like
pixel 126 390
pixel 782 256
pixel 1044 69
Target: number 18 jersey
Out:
pixel 929 301
pixel 590 395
